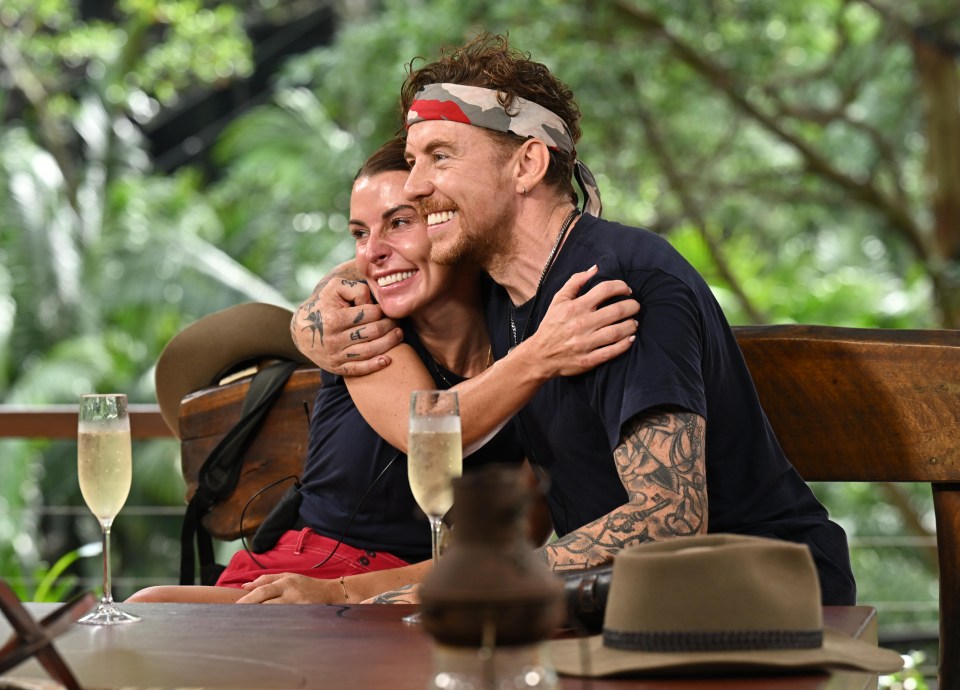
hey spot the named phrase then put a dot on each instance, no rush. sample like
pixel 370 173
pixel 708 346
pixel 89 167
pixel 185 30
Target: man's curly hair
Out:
pixel 489 61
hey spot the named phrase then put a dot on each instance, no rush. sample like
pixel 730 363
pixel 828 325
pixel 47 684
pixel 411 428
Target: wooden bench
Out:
pixel 848 405
pixel 872 405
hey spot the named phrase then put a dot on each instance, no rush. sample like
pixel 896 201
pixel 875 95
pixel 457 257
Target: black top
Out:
pixel 687 357
pixel 346 458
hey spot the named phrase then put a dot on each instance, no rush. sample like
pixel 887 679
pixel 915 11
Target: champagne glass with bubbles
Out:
pixel 434 458
pixel 105 471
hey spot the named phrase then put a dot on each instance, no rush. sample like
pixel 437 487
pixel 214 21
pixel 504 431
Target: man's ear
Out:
pixel 532 160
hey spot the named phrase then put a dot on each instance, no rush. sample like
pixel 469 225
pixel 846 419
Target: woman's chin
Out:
pixel 396 309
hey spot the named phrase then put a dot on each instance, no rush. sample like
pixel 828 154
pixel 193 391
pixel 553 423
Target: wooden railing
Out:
pixel 60 421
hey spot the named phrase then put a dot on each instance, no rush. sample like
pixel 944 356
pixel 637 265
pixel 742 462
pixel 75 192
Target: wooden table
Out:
pixel 330 647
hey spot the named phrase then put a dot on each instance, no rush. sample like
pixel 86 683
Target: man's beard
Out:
pixel 479 242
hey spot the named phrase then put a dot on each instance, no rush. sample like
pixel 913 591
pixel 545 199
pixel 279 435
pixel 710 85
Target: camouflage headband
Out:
pixel 474 105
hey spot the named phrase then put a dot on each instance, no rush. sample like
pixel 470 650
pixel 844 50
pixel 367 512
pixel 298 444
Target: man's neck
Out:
pixel 536 234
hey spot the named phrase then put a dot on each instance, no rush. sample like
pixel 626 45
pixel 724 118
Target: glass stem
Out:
pixel 435 527
pixel 107 585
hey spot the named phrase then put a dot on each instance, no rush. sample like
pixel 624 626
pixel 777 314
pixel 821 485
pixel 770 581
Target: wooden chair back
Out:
pixel 872 405
pixel 278 452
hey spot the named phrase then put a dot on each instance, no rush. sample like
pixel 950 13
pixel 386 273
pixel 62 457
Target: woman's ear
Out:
pixel 532 161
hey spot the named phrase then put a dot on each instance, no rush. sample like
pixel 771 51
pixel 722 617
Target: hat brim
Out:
pixel 200 354
pixel 588 657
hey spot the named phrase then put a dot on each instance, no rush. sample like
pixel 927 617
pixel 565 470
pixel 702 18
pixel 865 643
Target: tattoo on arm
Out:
pixel 396 596
pixel 661 463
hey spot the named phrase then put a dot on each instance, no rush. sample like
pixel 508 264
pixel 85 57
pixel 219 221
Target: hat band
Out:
pixel 711 641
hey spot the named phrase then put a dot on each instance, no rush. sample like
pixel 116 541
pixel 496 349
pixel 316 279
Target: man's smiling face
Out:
pixel 460 181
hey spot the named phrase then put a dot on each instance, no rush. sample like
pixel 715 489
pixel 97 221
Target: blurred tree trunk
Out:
pixel 939 80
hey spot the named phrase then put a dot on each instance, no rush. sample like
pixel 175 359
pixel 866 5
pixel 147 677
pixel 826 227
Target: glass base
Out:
pixel 108 614
pixel 501 668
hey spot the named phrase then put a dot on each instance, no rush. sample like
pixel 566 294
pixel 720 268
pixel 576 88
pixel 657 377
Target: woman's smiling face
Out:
pixel 393 249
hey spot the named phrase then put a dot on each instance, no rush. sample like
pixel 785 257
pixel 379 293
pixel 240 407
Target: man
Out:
pixel 668 440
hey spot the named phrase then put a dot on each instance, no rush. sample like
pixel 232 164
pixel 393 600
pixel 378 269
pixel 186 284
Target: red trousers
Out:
pixel 298 552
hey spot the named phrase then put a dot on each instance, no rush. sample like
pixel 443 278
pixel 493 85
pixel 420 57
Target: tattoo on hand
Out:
pixel 316 326
pixel 357 334
pixel 308 312
pixel 346 277
pixel 359 318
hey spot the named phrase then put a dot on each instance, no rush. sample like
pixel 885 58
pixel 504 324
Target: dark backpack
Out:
pixel 220 473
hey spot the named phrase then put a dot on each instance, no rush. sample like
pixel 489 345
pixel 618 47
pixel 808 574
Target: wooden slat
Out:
pixel 60 421
pixel 872 405
pixel 946 504
pixel 860 404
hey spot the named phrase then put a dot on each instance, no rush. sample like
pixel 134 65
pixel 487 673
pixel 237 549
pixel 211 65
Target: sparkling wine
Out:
pixel 104 470
pixel 435 458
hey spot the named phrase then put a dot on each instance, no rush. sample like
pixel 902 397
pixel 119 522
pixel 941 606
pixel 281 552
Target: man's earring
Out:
pixel 523 191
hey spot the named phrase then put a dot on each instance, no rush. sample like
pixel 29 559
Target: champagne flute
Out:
pixel 434 459
pixel 105 471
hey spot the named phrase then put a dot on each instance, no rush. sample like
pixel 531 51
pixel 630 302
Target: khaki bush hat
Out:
pixel 204 352
pixel 715 603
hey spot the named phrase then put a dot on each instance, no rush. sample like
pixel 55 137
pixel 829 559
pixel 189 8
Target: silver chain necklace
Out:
pixel 543 276
pixel 438 368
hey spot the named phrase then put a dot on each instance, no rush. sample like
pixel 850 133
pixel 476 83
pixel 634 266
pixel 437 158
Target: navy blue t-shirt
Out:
pixel 685 356
pixel 344 465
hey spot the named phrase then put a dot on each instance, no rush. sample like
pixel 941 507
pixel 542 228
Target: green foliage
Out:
pixel 49 583
pixel 820 277
pixel 103 261
pixel 154 49
pixel 910 678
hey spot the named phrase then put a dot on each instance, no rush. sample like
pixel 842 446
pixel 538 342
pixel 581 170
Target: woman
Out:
pixel 359 514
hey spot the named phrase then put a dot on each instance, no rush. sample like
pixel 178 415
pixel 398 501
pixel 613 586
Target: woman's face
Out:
pixel 393 249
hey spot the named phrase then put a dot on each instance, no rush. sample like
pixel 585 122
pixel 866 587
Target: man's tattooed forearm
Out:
pixel 582 548
pixel 660 461
pixel 667 451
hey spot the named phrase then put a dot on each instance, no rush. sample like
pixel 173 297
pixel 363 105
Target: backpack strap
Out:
pixel 220 472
